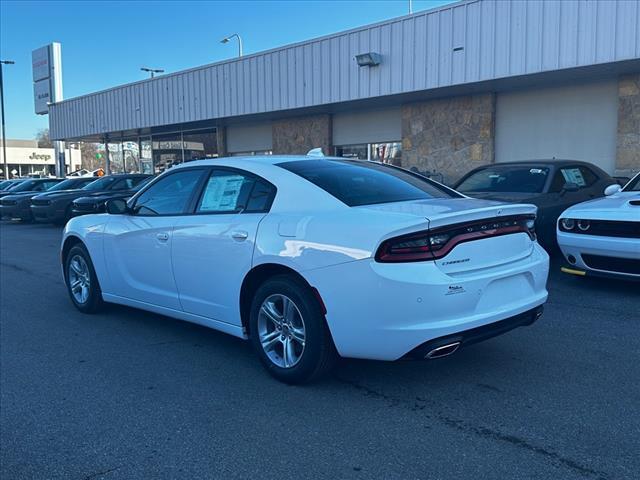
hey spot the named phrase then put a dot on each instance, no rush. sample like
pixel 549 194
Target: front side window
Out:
pixel 633 185
pixel 169 195
pixel 365 183
pixel 233 192
pixel 525 179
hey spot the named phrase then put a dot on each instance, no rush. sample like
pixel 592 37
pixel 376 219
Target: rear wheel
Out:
pixel 289 332
pixel 82 282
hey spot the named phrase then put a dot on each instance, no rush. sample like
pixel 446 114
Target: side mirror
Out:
pixel 612 189
pixel 569 187
pixel 116 206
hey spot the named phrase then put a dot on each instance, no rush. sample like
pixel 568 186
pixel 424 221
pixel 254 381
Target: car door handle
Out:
pixel 163 237
pixel 239 236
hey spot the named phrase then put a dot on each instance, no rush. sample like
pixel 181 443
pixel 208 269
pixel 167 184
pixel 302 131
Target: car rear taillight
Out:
pixel 436 244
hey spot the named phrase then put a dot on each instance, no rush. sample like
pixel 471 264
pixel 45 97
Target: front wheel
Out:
pixel 82 282
pixel 289 332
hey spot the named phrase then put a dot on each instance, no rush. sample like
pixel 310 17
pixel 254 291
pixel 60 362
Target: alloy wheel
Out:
pixel 281 330
pixel 79 279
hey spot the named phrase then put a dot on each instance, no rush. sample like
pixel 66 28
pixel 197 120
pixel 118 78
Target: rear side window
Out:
pixel 581 176
pixel 234 192
pixel 366 183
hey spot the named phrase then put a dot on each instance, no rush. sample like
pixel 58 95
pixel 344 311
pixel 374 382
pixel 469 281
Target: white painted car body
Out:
pixel 192 267
pixel 616 207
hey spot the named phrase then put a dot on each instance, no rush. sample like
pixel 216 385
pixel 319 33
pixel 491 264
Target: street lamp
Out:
pixel 152 71
pixel 4 136
pixel 228 39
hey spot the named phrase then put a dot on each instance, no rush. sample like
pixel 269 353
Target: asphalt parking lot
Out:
pixel 127 394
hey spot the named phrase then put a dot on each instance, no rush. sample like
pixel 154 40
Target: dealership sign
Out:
pixel 46 63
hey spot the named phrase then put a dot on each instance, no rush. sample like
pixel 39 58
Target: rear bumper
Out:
pixel 579 248
pixel 478 334
pixel 385 311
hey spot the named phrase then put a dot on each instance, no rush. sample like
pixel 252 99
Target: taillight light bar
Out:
pixel 436 244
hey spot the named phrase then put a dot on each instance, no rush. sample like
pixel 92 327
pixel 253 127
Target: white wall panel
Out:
pixel 499 38
pixel 569 122
pixel 383 125
pixel 249 138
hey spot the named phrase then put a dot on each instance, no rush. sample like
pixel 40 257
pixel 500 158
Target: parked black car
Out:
pixel 32 185
pixel 551 185
pixel 9 184
pixel 55 207
pixel 96 203
pixel 18 205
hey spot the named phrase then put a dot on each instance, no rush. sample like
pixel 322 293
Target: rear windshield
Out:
pixel 366 183
pixel 70 184
pixel 525 179
pixel 101 184
pixel 25 186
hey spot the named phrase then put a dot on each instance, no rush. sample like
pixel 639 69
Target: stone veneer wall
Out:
pixel 449 136
pixel 298 135
pixel 628 142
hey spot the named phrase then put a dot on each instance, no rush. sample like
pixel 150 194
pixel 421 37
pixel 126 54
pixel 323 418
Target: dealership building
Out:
pixel 25 158
pixel 441 91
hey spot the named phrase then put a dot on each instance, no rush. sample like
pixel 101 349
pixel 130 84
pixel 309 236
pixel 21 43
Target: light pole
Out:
pixel 228 39
pixel 152 71
pixel 4 137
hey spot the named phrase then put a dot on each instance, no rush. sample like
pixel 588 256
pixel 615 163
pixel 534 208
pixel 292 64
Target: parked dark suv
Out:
pixel 56 207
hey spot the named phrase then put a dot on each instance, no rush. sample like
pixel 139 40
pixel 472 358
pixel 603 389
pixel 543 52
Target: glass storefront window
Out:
pixel 146 158
pixel 199 144
pixel 167 151
pixel 115 156
pixel 353 151
pixel 252 153
pixel 131 155
pixel 389 152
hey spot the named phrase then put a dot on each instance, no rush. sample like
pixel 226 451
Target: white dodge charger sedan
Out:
pixel 602 237
pixel 310 258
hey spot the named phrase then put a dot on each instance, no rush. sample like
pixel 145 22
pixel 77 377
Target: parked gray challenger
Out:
pixel 56 207
pixel 551 185
pixel 18 205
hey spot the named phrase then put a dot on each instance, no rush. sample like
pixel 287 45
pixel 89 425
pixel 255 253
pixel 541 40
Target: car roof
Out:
pixel 544 161
pixel 251 159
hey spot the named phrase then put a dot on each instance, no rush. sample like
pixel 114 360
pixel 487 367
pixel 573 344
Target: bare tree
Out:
pixel 92 156
pixel 42 137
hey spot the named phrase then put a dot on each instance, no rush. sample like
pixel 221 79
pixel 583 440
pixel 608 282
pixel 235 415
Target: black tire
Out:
pixel 93 302
pixel 318 354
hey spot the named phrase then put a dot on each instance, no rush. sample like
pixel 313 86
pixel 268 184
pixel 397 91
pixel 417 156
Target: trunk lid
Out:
pixel 474 254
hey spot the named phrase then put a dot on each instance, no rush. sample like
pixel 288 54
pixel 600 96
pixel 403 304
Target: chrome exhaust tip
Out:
pixel 442 351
